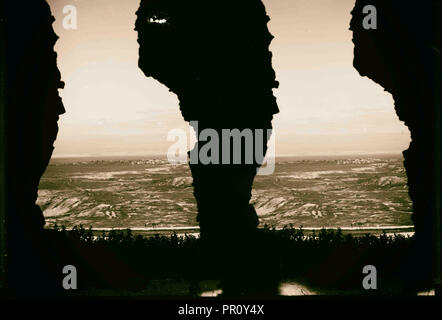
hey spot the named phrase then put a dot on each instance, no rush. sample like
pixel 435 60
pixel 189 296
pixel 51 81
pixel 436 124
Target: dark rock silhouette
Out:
pixel 33 106
pixel 214 55
pixel 403 56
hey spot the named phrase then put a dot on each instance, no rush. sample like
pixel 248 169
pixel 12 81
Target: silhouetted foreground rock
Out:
pixel 403 56
pixel 214 55
pixel 122 261
pixel 33 107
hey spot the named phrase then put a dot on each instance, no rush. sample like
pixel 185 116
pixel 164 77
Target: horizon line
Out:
pixel 158 155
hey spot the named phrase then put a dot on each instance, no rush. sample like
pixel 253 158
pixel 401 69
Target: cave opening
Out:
pixel 109 190
pixel 326 110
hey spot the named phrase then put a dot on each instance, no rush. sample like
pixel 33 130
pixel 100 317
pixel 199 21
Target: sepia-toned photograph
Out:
pixel 220 149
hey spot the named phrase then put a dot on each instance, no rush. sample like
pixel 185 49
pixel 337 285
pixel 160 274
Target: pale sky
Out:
pixel 325 106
